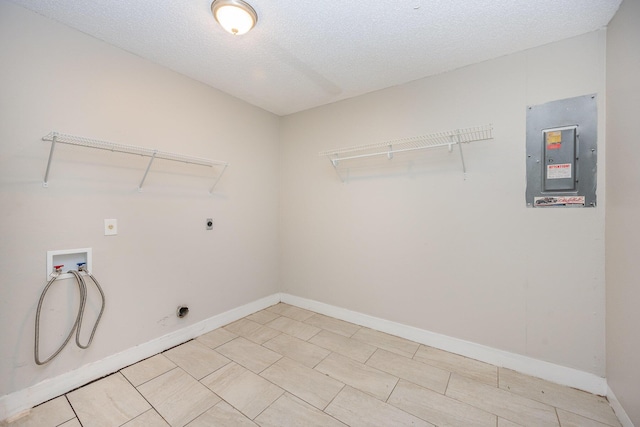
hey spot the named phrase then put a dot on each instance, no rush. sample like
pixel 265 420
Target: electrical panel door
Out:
pixel 561 153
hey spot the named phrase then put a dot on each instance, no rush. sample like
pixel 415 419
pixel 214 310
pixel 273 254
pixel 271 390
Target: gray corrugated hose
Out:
pixel 77 325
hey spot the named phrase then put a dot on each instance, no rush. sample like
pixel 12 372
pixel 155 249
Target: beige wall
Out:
pixel 55 78
pixel 416 243
pixel 623 207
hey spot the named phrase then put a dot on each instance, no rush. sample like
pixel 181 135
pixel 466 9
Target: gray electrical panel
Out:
pixel 562 153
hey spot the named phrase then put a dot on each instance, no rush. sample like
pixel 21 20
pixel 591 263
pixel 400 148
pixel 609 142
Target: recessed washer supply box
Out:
pixel 70 259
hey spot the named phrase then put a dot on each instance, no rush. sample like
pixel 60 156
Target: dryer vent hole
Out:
pixel 182 311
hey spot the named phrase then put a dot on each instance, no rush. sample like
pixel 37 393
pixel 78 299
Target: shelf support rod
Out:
pixel 153 157
pixel 464 168
pixel 334 163
pixel 218 179
pixel 45 183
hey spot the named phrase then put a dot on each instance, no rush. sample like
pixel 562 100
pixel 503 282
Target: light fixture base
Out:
pixel 235 16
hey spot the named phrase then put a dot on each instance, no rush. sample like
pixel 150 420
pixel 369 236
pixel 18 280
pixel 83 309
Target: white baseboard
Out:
pixel 618 409
pixel 20 401
pixel 526 365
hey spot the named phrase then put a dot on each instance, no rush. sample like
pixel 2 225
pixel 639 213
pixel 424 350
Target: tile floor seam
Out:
pixel 459 402
pixel 392 390
pixel 360 327
pixel 413 415
pixel 330 352
pixel 249 369
pixel 296 396
pixel 371 355
pixel 214 405
pixel 415 352
pixel 497 415
pixel 566 409
pixel 334 418
pixel 326 406
pixel 266 407
pixel 150 379
pixel 415 384
pixel 418 417
pixel 448 381
pixel 555 410
pixel 144 397
pixel 300 397
pixel 197 416
pixel 258 373
pixel 334 398
pixel 222 399
pixel 309 339
pixel 72 409
pixel 280 387
pixel 585 416
pixel 548 404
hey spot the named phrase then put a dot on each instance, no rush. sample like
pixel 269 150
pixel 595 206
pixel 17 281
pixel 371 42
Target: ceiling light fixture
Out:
pixel 235 16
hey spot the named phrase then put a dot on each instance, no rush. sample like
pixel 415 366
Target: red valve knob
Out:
pixel 57 267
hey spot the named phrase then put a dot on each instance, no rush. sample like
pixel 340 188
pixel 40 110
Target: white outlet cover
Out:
pixel 110 227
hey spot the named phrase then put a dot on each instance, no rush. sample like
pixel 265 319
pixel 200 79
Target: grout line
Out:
pixel 261 412
pixel 357 330
pixel 320 330
pixel 145 398
pixel 293 394
pixel 415 352
pixel 447 387
pixel 73 409
pixel 392 390
pixel 420 417
pixel 324 358
pixel 344 385
pixel 203 412
pixel 151 379
pixel 371 355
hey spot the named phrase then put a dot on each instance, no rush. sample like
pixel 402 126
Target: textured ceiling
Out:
pixel 306 53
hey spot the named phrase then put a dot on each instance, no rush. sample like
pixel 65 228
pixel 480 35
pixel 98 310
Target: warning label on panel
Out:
pixel 554 140
pixel 559 171
pixel 559 201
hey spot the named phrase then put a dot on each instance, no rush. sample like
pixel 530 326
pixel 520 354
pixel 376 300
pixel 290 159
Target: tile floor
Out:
pixel 285 366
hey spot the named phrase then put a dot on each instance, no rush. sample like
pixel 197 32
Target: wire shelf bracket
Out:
pixel 60 138
pixel 425 142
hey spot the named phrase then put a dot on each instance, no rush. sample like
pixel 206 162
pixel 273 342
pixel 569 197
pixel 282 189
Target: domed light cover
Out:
pixel 235 16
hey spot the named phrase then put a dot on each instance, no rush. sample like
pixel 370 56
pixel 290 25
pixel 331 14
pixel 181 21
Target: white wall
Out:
pixel 55 78
pixel 623 207
pixel 415 243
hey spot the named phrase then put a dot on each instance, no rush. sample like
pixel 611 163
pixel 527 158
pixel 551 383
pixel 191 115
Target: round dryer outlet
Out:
pixel 182 311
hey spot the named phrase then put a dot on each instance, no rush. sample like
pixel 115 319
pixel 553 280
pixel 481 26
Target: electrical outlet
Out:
pixel 209 223
pixel 110 227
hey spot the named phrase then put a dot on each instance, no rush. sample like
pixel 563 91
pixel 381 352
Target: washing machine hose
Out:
pixel 77 324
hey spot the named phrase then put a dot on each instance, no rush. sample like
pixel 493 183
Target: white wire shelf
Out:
pixel 80 141
pixel 389 148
